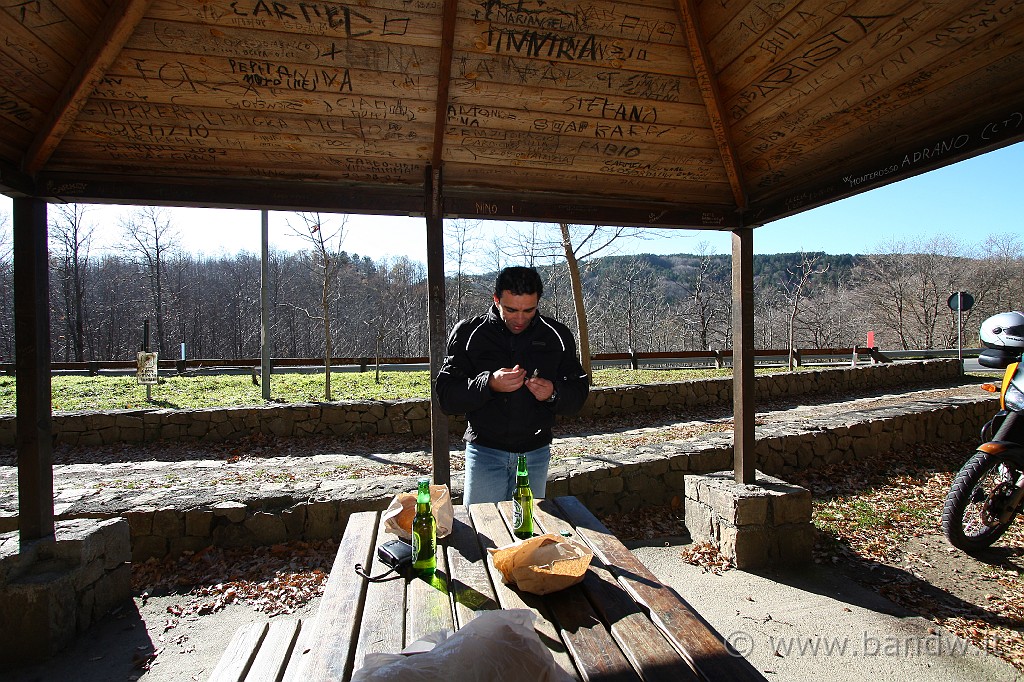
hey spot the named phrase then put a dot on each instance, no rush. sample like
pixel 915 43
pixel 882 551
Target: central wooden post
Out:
pixel 436 324
pixel 32 371
pixel 743 354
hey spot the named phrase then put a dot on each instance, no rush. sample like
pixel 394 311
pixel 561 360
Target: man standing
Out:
pixel 510 372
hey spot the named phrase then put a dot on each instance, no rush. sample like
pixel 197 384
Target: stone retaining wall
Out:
pixel 638 477
pixel 413 416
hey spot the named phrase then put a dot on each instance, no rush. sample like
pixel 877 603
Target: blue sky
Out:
pixel 970 200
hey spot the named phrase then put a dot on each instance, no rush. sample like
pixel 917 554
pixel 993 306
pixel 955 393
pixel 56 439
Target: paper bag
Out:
pixel 543 564
pixel 399 514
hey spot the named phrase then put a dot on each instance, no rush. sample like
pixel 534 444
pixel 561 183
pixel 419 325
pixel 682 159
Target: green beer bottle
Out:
pixel 424 533
pixel 522 502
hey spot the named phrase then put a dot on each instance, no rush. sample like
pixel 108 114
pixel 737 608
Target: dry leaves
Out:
pixel 647 523
pixel 706 556
pixel 882 517
pixel 274 580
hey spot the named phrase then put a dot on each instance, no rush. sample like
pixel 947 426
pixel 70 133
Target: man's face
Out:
pixel 516 309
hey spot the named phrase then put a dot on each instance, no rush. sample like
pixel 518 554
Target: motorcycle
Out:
pixel 988 492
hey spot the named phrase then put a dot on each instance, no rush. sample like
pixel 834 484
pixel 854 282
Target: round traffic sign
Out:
pixel 960 300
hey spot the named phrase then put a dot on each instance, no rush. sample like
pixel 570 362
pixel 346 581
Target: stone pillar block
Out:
pixel 53 588
pixel 767 523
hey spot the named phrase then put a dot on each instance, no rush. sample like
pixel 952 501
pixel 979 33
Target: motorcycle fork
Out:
pixel 1009 427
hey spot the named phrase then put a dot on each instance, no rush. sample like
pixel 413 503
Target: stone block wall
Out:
pixel 635 477
pixel 56 588
pixel 346 418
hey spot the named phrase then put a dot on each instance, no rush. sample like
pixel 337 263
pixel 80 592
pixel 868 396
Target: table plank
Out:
pixel 642 642
pixel 694 637
pixel 235 662
pixel 492 533
pixel 330 657
pixel 382 629
pixel 469 584
pixel 303 645
pixel 591 646
pixel 272 658
pixel 428 604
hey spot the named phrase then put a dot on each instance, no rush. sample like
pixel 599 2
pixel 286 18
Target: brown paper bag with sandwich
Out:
pixel 543 564
pixel 399 514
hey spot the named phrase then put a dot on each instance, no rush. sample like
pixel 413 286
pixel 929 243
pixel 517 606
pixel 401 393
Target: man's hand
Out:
pixel 540 388
pixel 506 380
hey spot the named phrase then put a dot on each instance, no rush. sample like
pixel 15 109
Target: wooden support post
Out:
pixel 265 304
pixel 436 324
pixel 32 371
pixel 743 353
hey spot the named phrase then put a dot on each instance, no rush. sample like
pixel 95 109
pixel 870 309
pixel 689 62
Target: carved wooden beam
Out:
pixel 444 73
pixel 708 85
pixel 111 35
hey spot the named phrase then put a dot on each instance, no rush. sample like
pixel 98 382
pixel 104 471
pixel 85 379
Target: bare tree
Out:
pixel 632 302
pixel 829 317
pixel 580 243
pixel 577 244
pixel 461 243
pixel 704 296
pixel 325 239
pixel 882 283
pixel 74 239
pixel 795 288
pixel 153 239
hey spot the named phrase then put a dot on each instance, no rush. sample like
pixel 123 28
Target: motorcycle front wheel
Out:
pixel 978 499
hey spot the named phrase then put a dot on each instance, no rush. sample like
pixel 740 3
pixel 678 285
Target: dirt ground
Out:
pixel 134 644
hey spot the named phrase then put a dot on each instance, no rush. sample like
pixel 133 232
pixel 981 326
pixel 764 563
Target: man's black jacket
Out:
pixel 516 421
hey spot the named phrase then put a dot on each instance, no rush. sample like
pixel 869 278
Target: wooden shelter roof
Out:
pixel 713 113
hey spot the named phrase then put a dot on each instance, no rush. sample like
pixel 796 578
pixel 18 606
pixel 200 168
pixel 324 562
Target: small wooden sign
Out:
pixel 148 370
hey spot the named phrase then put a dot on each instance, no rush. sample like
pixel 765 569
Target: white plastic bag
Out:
pixel 496 646
pixel 398 516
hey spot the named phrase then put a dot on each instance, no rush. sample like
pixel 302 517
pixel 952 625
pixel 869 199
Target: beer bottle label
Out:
pixel 517 514
pixel 416 544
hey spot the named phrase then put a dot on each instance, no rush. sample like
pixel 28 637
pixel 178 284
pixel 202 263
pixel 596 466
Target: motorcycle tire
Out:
pixel 962 514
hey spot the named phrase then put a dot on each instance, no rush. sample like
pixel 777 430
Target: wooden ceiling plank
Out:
pixel 1003 130
pixel 708 86
pixel 864 57
pixel 111 35
pixel 886 121
pixel 444 71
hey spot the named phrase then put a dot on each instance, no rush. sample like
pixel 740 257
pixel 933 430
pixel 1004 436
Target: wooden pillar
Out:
pixel 32 371
pixel 265 304
pixel 436 323
pixel 743 354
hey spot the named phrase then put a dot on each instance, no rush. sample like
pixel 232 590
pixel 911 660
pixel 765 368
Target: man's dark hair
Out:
pixel 518 281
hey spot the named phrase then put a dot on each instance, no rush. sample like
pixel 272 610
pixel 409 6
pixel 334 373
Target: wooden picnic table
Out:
pixel 620 623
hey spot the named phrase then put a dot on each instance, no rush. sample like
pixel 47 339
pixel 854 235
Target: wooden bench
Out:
pixel 620 623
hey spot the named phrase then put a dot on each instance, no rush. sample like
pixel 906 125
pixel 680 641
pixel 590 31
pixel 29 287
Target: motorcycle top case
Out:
pixel 998 358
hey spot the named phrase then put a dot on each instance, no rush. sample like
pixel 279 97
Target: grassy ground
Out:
pixel 198 391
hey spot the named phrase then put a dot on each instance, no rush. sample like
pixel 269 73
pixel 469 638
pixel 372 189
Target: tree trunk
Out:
pixel 577 297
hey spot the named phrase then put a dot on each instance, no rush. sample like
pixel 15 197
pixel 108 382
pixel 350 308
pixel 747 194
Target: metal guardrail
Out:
pixel 718 359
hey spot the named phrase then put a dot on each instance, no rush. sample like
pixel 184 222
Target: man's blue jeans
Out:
pixel 491 473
